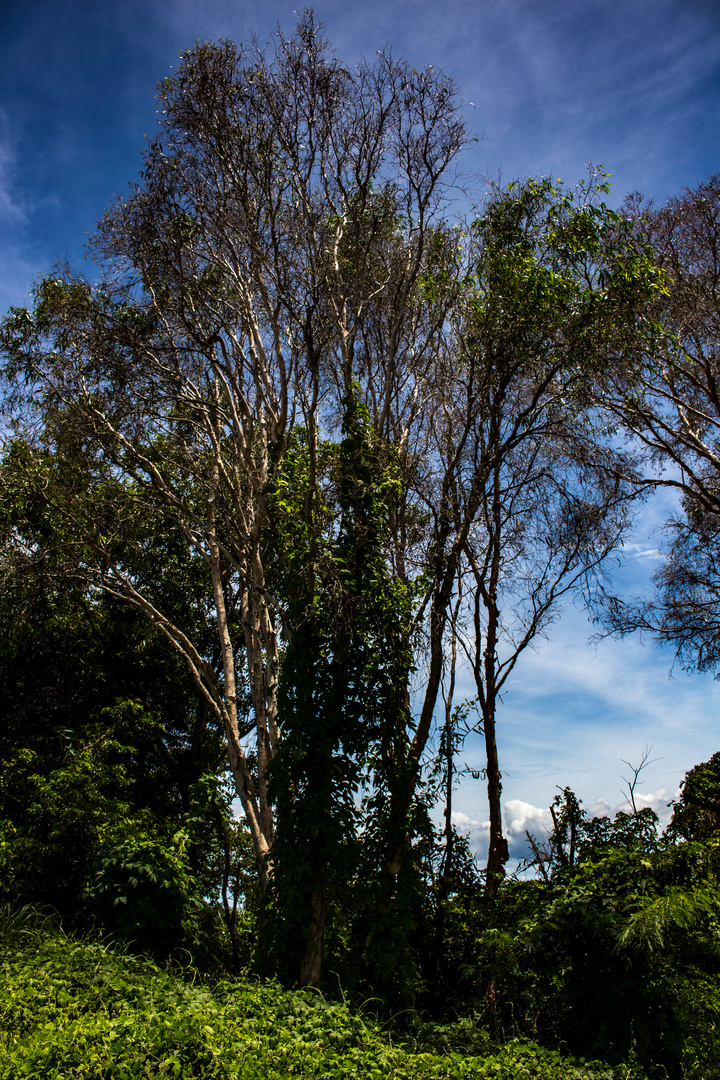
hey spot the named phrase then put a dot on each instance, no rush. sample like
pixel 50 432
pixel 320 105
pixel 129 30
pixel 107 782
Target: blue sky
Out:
pixel 548 86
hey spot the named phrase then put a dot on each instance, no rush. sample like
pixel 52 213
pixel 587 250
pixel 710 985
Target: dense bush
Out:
pixel 79 1009
pixel 616 955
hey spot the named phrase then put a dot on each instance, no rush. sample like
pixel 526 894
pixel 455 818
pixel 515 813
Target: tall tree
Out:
pixel 534 494
pixel 671 408
pixel 267 260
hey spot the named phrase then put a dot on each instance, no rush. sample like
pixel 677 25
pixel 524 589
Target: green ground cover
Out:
pixel 83 1009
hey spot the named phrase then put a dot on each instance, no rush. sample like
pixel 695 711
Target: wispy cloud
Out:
pixel 575 712
pixel 11 209
pixel 16 277
pixel 16 268
pixel 642 552
pixel 560 83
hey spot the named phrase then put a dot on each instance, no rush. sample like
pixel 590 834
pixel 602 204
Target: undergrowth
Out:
pixel 86 1010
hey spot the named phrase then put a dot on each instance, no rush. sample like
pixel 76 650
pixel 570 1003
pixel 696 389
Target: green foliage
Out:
pixel 142 891
pixel 111 802
pixel 54 821
pixel 631 832
pixel 342 698
pixel 576 838
pixel 560 274
pixel 70 1008
pixel 657 918
pixel 153 461
pixel 225 871
pixel 614 952
pixel 22 923
pixel 104 742
pixel 603 957
pixel 73 838
pixel 696 814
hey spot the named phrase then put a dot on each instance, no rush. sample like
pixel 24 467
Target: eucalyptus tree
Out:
pixel 285 197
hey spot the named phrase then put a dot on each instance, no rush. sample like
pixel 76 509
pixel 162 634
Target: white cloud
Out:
pixel 477 833
pixel 522 817
pixel 642 552
pixel 16 270
pixel 660 801
pixel 599 807
pixel 519 817
pixel 657 801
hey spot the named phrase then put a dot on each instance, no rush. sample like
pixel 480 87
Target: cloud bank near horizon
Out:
pixel 522 817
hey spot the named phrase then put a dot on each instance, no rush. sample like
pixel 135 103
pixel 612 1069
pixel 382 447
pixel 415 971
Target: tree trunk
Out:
pixel 311 968
pixel 498 853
